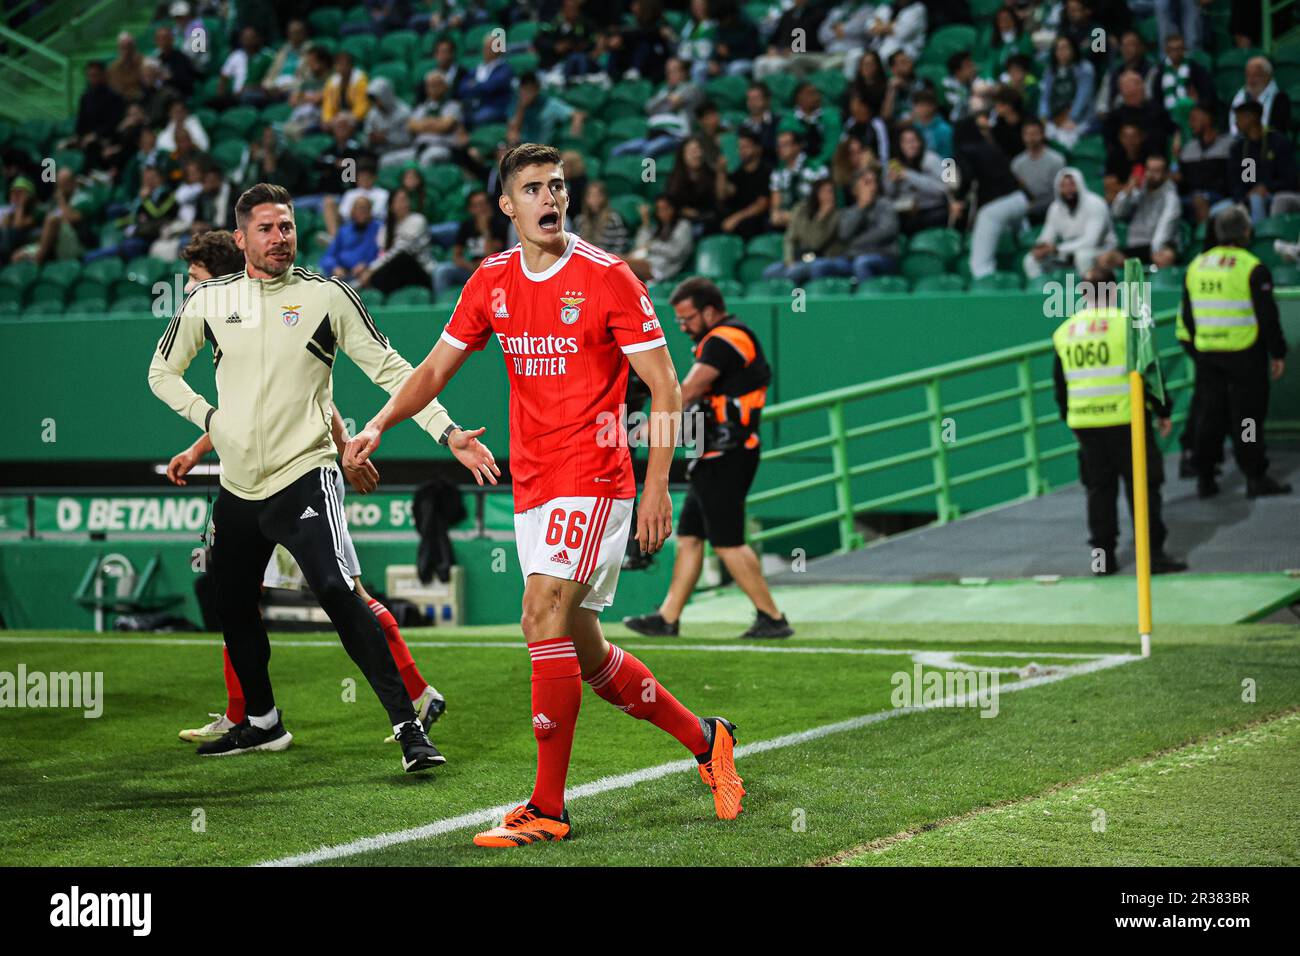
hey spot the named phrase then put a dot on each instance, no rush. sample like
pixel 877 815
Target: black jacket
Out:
pixel 437 507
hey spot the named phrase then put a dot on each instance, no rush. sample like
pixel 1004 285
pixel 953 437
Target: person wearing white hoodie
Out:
pixel 1077 228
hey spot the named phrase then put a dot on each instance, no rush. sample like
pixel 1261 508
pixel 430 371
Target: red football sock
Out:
pixel 234 693
pixel 628 684
pixel 557 695
pixel 415 684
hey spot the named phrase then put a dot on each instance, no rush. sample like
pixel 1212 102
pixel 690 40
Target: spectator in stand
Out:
pixel 792 180
pixel 1008 39
pixel 288 65
pixel 958 85
pixel 354 247
pixel 796 29
pixel 599 222
pixel 1083 29
pixel 1179 16
pixel 178 115
pixel 1076 231
pixel 1273 189
pixel 1152 210
pixel 566 45
pixel 708 130
pixel 386 129
pixel 1066 102
pixel 538 117
pixel 1177 78
pixel 180 154
pixel 1018 75
pixel 914 185
pixel 65 230
pixel 695 44
pixel 808 114
pixel 367 187
pixel 124 71
pixel 639 47
pixel 670 112
pixel 406 258
pixel 345 91
pixel 899 25
pixel 847 163
pixel 382 16
pixel 1127 162
pixel 813 247
pixel 1202 171
pixel 154 206
pixel 246 66
pixel 870 81
pixel 482 234
pixel 1036 168
pixel 693 188
pixel 927 121
pixel 18 219
pixel 744 193
pixel 270 162
pixel 1132 57
pixel 1136 107
pixel 903 88
pixel 486 92
pixel 845 33
pixel 439 15
pixel 343 162
pixel 308 95
pixel 154 96
pixel 446 59
pixel 869 229
pixel 99 112
pixel 867 128
pixel 1002 201
pixel 736 42
pixel 759 119
pixel 177 70
pixel 663 247
pixel 1262 88
pixel 191 36
pixel 433 123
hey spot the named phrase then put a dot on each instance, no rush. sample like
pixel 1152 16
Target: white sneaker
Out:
pixel 197 735
pixel 429 706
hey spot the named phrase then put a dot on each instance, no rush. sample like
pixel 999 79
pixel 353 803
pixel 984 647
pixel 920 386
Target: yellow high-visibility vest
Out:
pixel 1218 284
pixel 1093 346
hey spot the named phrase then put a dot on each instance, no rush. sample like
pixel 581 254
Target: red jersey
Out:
pixel 565 334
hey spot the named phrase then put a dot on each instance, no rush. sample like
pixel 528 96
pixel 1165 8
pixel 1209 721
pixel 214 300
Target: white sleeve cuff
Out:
pixel 639 346
pixel 453 341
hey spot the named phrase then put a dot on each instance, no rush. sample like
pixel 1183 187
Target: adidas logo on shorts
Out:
pixel 561 557
pixel 309 513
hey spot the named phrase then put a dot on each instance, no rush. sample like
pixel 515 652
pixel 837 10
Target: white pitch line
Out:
pixel 519 645
pixel 637 777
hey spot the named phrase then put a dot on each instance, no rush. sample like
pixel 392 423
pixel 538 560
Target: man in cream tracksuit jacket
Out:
pixel 275 331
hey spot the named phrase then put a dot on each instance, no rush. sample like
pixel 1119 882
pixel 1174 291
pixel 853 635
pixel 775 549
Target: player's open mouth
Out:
pixel 549 222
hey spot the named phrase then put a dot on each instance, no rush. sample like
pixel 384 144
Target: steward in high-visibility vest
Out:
pixel 1232 320
pixel 1092 392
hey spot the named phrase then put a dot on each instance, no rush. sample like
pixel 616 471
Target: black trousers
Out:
pixel 400 271
pixel 1105 459
pixel 1234 391
pixel 307 518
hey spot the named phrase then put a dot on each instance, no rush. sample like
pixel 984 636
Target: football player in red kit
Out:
pixel 569 318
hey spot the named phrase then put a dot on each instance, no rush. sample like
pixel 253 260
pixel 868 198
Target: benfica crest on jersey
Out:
pixel 570 313
pixel 290 314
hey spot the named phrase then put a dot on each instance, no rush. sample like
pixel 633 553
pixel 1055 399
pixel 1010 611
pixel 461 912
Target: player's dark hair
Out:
pixel 700 291
pixel 524 155
pixel 214 250
pixel 255 196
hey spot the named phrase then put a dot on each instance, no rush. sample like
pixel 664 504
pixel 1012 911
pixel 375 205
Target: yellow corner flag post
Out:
pixel 1141 357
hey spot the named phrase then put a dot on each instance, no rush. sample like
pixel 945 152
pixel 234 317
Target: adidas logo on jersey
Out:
pixel 309 513
pixel 542 722
pixel 561 557
pixel 501 312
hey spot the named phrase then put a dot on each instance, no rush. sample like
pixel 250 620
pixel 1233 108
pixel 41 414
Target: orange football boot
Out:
pixel 523 825
pixel 719 771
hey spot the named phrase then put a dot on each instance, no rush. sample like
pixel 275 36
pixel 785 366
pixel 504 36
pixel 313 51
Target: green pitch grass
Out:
pixel 122 790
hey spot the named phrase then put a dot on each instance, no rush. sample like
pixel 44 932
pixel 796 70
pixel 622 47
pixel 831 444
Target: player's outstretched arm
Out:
pixel 421 387
pixel 654 519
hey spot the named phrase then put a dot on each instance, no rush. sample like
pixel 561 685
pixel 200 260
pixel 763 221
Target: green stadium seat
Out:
pixel 520 35
pixel 943 283
pixel 274 115
pixel 62 271
pixel 486 137
pixel 236 123
pixel 623 176
pixel 523 62
pixel 372 299
pixel 472 37
pixel 730 288
pixel 356 14
pixel 146 270
pixel 751 267
pixel 1047 278
pixel 401 45
pixel 728 92
pixel 140 305
pixel 10 308
pixel 630 95
pixel 770 287
pixel 918 266
pixel 324 21
pixel 1279 227
pixel 587 97
pixel 625 128
pixel 410 295
pixel 943 244
pixel 1170 278
pixel 69 159
pixel 18 274
pixel 1286 275
pixel 363 47
pixel 1090 150
pixel 88 291
pixel 397 72
pixel 769 244
pixel 95 307
pixel 1263 249
pixel 782 86
pixel 883 285
pixel 448 296
pixel 125 289
pixel 832 84
pixel 627 205
pixel 997 282
pixel 946 41
pixel 717 256
pixel 830 285
pixel 48 294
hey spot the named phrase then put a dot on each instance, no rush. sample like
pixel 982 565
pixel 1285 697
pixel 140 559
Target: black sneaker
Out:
pixel 767 627
pixel 417 752
pixel 244 738
pixel 1266 487
pixel 651 625
pixel 1164 564
pixel 1206 486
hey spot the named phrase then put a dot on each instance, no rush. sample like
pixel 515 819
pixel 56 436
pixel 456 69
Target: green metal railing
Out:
pixel 1023 394
pixel 51 71
pixel 1269 9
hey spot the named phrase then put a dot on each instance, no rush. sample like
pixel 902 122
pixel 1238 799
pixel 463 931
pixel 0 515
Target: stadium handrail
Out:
pixel 843 471
pixel 57 80
pixel 1268 42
